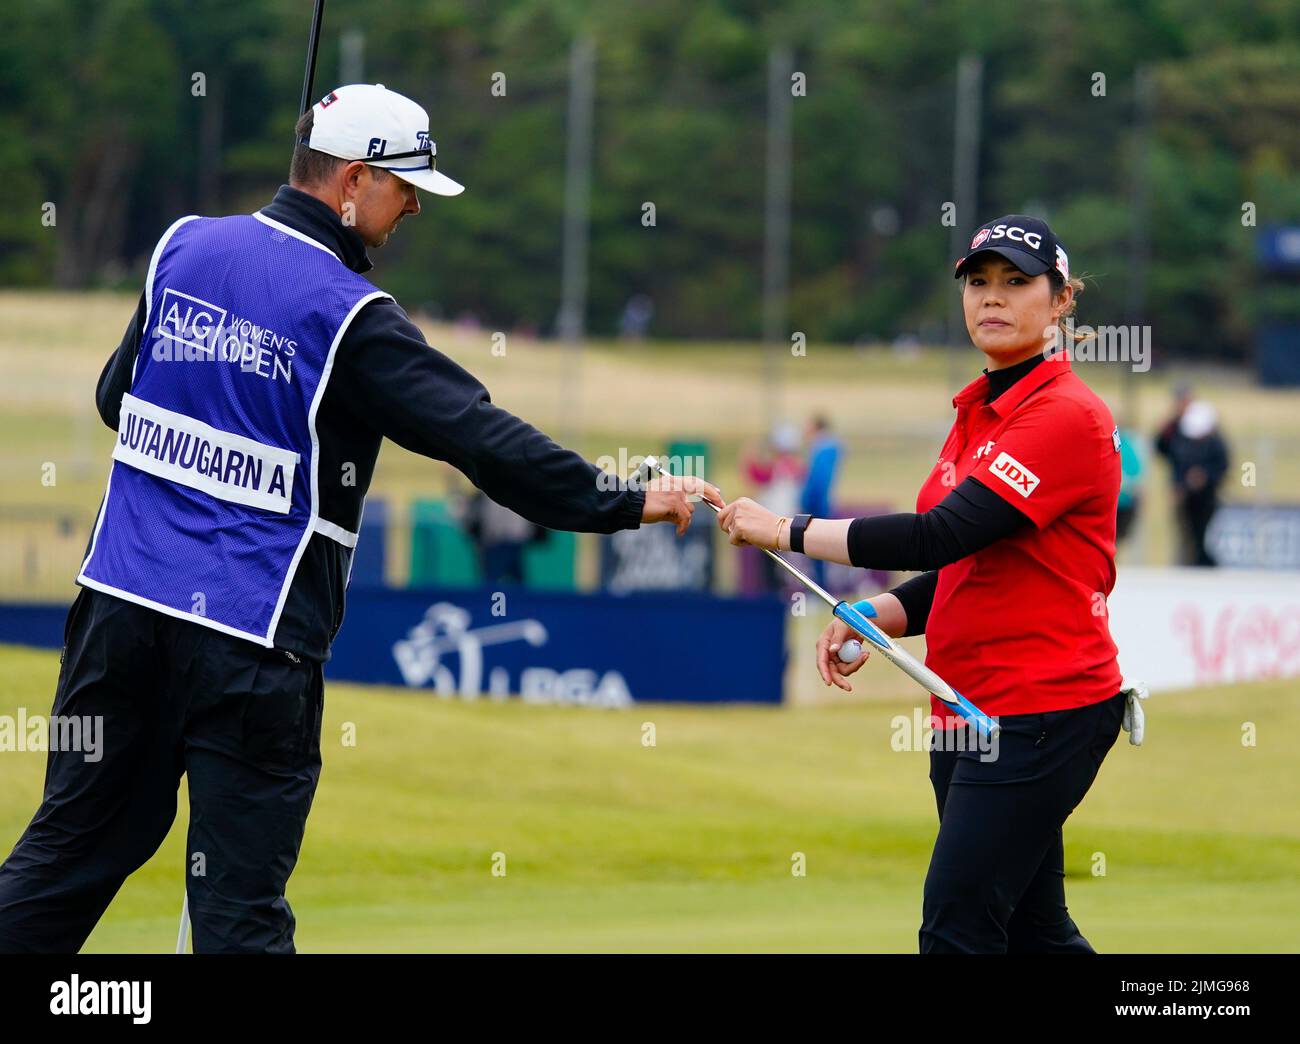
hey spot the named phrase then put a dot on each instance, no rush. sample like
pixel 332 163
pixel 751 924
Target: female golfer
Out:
pixel 1015 529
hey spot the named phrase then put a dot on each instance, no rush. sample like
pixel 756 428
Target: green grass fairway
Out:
pixel 686 846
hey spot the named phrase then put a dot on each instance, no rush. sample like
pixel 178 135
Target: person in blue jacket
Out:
pixel 823 462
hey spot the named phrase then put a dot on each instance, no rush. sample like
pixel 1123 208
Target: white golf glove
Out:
pixel 1134 720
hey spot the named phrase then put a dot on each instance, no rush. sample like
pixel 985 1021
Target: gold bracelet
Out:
pixel 779 522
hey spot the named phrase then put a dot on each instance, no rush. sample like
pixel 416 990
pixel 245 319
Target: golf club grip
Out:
pixel 918 672
pixel 971 713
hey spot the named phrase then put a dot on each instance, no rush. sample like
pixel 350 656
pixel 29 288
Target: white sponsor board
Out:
pixel 1182 628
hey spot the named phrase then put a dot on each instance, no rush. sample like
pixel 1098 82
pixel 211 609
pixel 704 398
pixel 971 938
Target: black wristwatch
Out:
pixel 797 526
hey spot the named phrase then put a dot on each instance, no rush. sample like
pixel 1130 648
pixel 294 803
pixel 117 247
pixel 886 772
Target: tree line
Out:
pixel 126 114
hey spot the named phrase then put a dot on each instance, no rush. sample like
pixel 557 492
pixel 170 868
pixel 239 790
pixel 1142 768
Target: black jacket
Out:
pixel 1209 453
pixel 388 382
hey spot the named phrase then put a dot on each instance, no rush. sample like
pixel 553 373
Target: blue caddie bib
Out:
pixel 213 491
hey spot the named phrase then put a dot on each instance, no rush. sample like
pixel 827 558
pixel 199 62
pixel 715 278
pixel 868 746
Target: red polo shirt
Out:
pixel 1021 627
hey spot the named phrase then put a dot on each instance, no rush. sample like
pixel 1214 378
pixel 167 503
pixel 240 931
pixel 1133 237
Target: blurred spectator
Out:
pixel 1198 459
pixel 907 346
pixel 500 536
pixel 635 320
pixel 1182 397
pixel 823 460
pixel 777 475
pixel 1130 489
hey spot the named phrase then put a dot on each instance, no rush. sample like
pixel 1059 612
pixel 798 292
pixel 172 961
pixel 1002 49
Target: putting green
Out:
pixel 688 845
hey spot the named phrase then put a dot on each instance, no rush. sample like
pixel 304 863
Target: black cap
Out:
pixel 1025 241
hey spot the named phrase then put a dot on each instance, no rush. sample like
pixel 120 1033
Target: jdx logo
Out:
pixel 1014 474
pixel 377 146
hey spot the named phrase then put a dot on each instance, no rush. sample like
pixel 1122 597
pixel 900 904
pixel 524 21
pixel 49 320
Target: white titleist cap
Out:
pixel 366 121
pixel 1198 420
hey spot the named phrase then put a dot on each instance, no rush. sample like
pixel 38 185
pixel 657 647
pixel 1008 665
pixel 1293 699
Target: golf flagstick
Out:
pixel 857 619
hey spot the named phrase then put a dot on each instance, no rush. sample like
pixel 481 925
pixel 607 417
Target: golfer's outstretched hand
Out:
pixel 834 670
pixel 746 521
pixel 667 499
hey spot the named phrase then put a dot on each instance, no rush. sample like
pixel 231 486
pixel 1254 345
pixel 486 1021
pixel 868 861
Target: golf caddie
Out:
pixel 250 396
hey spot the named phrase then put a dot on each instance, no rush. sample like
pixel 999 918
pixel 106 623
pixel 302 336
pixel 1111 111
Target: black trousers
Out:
pixel 1197 510
pixel 241 722
pixel 996 882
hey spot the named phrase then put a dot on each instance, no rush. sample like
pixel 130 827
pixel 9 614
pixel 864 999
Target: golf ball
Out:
pixel 850 651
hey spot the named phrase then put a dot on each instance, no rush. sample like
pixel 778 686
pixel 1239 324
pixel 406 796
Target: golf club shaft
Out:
pixel 856 619
pixel 313 45
pixel 183 932
pixel 798 574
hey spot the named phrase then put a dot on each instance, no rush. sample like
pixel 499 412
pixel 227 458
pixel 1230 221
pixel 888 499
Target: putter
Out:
pixel 856 616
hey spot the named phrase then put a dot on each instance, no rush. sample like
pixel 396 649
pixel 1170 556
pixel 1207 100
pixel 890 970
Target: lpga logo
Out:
pixel 445 631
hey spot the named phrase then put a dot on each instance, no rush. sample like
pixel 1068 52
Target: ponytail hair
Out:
pixel 1058 284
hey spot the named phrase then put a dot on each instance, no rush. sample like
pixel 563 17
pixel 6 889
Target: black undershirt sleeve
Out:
pixel 968 519
pixel 916 595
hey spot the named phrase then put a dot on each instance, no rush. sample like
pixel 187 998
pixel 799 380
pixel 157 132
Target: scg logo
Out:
pixel 1017 234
